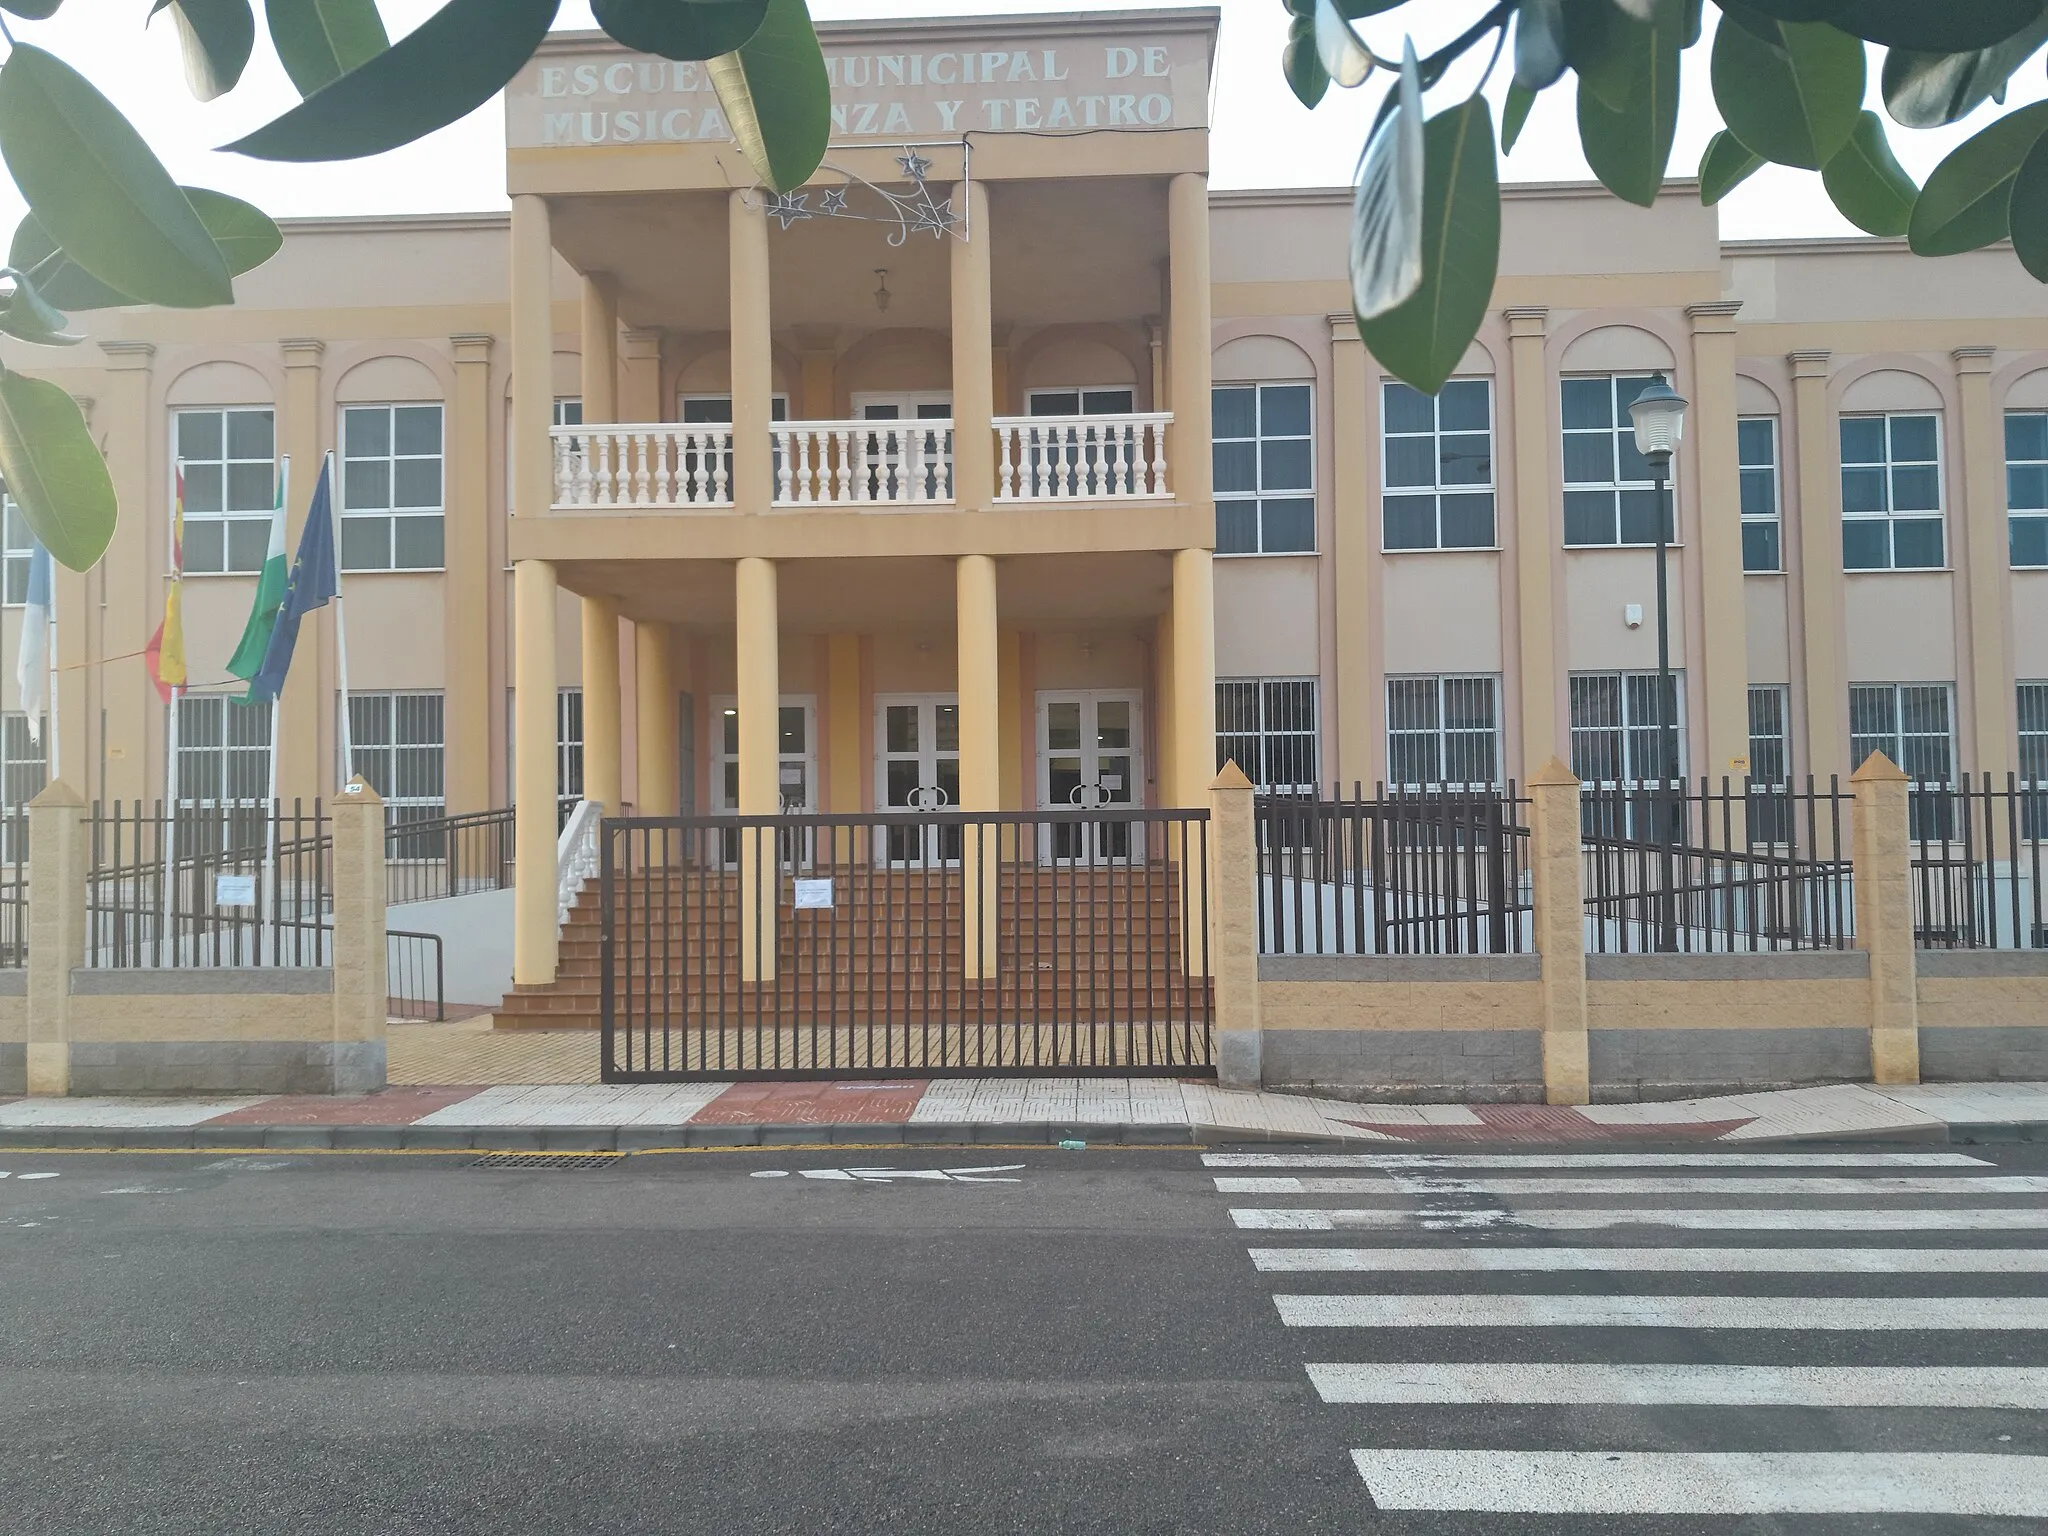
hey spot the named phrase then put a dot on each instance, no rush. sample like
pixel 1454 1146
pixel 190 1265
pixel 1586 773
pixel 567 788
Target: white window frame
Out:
pixel 2032 698
pixel 1894 740
pixel 1438 490
pixel 401 808
pixel 24 773
pixel 1439 688
pixel 1261 494
pixel 1766 480
pixel 17 550
pixel 1770 728
pixel 252 522
pixel 1890 515
pixel 721 756
pixel 2034 515
pixel 1621 435
pixel 1635 734
pixel 1277 707
pixel 218 757
pixel 390 512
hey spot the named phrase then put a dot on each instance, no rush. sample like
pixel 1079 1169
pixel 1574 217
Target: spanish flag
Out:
pixel 165 653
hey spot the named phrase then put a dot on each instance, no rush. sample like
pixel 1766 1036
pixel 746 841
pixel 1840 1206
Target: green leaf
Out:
pixel 1967 202
pixel 319 41
pixel 1540 49
pixel 98 190
pixel 30 318
pixel 1423 339
pixel 1514 114
pixel 1867 183
pixel 217 36
pixel 1629 146
pixel 1795 102
pixel 2030 211
pixel 245 234
pixel 681 29
pixel 1936 26
pixel 1925 90
pixel 34 10
pixel 458 59
pixel 54 471
pixel 1726 164
pixel 1796 10
pixel 1302 65
pixel 1596 45
pixel 777 98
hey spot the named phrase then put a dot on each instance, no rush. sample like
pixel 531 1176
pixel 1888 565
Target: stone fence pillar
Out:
pixel 1233 929
pixel 57 871
pixel 1881 851
pixel 361 987
pixel 1558 893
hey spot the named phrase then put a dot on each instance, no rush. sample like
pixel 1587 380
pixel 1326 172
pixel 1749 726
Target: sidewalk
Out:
pixel 1099 1111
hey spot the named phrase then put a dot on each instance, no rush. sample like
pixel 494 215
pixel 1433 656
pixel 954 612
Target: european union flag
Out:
pixel 313 582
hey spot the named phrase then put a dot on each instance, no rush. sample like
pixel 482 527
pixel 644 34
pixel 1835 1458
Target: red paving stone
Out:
pixel 1553 1122
pixel 813 1104
pixel 394 1106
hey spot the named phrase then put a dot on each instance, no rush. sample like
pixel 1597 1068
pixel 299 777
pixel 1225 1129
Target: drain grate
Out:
pixel 524 1160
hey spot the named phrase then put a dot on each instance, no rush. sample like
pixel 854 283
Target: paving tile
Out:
pixel 394 1106
pixel 120 1114
pixel 813 1103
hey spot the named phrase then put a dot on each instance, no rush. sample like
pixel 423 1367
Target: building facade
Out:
pixel 1009 466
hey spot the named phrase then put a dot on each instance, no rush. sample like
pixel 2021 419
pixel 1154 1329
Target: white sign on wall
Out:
pixel 813 896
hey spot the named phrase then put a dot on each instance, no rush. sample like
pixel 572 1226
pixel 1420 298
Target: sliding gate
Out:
pixel 911 943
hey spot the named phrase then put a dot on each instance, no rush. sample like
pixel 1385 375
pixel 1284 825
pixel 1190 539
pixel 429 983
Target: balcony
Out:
pixel 859 465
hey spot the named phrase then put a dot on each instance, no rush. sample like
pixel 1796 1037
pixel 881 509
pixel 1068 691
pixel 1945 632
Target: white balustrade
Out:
pixel 863 463
pixel 657 464
pixel 577 854
pixel 1082 458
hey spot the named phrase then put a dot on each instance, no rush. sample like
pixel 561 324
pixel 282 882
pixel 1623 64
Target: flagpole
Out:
pixel 284 491
pixel 348 752
pixel 54 753
pixel 169 901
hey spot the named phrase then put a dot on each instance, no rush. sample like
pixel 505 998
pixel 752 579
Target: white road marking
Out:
pixel 1408 1161
pixel 1761 1261
pixel 1570 1219
pixel 1760 1386
pixel 25 1177
pixel 1765 1184
pixel 995 1173
pixel 1707 1483
pixel 1858 1313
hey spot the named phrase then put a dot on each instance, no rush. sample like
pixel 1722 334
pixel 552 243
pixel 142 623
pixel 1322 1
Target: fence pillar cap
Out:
pixel 1231 777
pixel 359 791
pixel 1554 775
pixel 59 792
pixel 1879 769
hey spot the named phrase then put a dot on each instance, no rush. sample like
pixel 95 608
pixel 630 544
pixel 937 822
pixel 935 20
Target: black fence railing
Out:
pixel 435 857
pixel 415 975
pixel 1690 868
pixel 208 886
pixel 928 942
pixel 1433 871
pixel 1976 859
pixel 14 889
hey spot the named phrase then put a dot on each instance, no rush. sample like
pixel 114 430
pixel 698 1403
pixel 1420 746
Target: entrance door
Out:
pixel 917 738
pixel 1089 758
pixel 910 464
pixel 796 770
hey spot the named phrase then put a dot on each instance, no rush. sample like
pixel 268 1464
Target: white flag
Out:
pixel 32 670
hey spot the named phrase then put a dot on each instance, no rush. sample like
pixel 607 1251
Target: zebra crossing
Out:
pixel 1547 1338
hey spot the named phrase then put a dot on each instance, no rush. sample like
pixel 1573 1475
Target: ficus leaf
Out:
pixel 1629 146
pixel 458 59
pixel 246 237
pixel 1344 57
pixel 2030 211
pixel 30 318
pixel 96 187
pixel 1385 258
pixel 777 96
pixel 1299 61
pixel 217 36
pixel 1514 114
pixel 245 233
pixel 34 10
pixel 319 41
pixel 1967 201
pixel 1423 339
pixel 1934 26
pixel 1867 183
pixel 680 29
pixel 1926 90
pixel 1793 99
pixel 1725 165
pixel 55 472
pixel 1539 44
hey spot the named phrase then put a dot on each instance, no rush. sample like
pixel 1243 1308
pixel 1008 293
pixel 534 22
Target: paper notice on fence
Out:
pixel 234 890
pixel 814 895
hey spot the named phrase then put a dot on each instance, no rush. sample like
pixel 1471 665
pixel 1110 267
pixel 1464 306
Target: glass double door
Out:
pixel 908 463
pixel 1090 758
pixel 917 739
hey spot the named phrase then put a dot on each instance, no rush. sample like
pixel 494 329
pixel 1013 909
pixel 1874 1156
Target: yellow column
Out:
pixel 535 921
pixel 1882 851
pixel 58 856
pixel 466 619
pixel 1820 564
pixel 1163 694
pixel 1988 550
pixel 1355 546
pixel 1194 674
pixel 1723 662
pixel 759 702
pixel 533 358
pixel 1535 542
pixel 600 348
pixel 640 378
pixel 979 683
pixel 842 687
pixel 818 390
pixel 1190 472
pixel 753 363
pixel 362 985
pixel 974 443
pixel 1234 929
pixel 132 585
pixel 305 725
pixel 1559 919
pixel 603 770
pixel 656 743
pixel 1009 699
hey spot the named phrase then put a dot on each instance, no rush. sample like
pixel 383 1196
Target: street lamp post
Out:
pixel 1659 417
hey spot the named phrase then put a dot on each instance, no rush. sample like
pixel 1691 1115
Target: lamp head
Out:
pixel 1659 417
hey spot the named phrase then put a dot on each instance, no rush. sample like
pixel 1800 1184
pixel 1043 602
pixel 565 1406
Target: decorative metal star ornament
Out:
pixel 788 208
pixel 936 216
pixel 915 166
pixel 833 203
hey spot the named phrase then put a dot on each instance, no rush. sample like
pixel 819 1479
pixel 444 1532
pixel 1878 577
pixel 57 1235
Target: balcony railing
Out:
pixel 645 465
pixel 863 463
pixel 1082 458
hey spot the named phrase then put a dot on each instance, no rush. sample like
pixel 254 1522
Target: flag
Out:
pixel 165 653
pixel 312 584
pixel 248 658
pixel 32 670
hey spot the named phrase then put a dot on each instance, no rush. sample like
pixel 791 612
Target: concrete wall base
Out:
pixel 1989 1054
pixel 227 1066
pixel 1674 1063
pixel 1407 1065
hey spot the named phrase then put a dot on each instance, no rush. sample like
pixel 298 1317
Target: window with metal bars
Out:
pixel 1913 724
pixel 398 748
pixel 24 771
pixel 1756 454
pixel 229 462
pixel 2033 764
pixel 1437 458
pixel 1609 495
pixel 1770 763
pixel 568 751
pixel 1267 726
pixel 2026 485
pixel 17 548
pixel 223 751
pixel 1619 731
pixel 1265 468
pixel 1891 492
pixel 391 488
pixel 1443 731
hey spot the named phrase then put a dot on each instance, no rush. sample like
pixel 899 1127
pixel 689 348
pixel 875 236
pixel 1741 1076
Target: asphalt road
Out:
pixel 676 1343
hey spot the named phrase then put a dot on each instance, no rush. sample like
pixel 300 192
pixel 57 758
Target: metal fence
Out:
pixel 1976 852
pixel 1433 871
pixel 14 890
pixel 1690 868
pixel 1084 950
pixel 443 856
pixel 415 975
pixel 208 886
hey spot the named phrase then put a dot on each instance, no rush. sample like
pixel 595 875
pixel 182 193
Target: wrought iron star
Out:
pixel 915 166
pixel 833 203
pixel 937 216
pixel 788 208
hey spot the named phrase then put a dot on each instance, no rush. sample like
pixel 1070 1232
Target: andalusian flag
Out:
pixel 165 653
pixel 248 658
